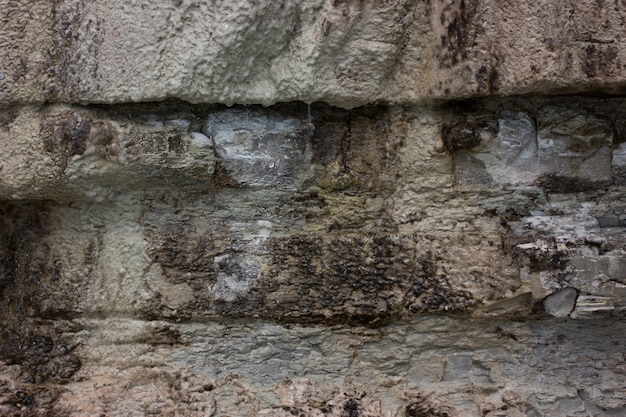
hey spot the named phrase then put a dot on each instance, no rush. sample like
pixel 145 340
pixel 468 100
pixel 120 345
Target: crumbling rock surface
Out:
pixel 373 214
pixel 137 238
pixel 431 366
pixel 442 232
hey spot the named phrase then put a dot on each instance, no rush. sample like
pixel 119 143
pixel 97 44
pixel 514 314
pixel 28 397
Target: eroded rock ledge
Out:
pixel 431 366
pixel 345 53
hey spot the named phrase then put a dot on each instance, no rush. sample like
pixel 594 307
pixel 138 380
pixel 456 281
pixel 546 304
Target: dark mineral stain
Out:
pixel 460 137
pixel 458 25
pixel 41 353
pixel 351 409
pixel 176 144
pixel 45 361
pixel 22 226
pixel 590 62
pixel 547 261
pixel 422 406
pixel 487 78
pixel 554 183
pixel 64 136
pixel 7 117
pixel 23 400
pixel 70 64
pixel 600 60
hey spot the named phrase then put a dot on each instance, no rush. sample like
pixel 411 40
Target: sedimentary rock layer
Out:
pixel 432 366
pixel 142 244
pixel 345 53
pixel 176 211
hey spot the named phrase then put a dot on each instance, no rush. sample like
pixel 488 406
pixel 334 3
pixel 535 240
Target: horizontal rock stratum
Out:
pixel 312 208
pixel 179 211
pixel 345 53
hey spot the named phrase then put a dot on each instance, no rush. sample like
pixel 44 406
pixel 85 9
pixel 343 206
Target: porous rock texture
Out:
pixel 339 208
pixel 343 52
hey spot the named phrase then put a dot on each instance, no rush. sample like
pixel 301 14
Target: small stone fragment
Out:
pixel 560 303
pixel 511 398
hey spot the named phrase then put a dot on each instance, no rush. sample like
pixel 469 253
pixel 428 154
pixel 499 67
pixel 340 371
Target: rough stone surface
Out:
pixel 561 303
pixel 365 216
pixel 433 366
pixel 346 53
pixel 441 232
pixel 119 222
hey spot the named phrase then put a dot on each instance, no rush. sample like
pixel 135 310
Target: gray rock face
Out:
pixel 434 365
pixel 370 216
pixel 613 264
pixel 619 163
pixel 259 149
pixel 570 151
pixel 561 303
pixel 575 146
pixel 144 271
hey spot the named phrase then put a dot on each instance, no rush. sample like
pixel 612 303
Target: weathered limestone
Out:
pixel 345 53
pixel 178 212
pixel 427 367
pixel 561 303
pixel 359 216
pixel 435 235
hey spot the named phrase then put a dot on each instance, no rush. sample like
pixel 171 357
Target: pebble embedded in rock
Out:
pixel 560 303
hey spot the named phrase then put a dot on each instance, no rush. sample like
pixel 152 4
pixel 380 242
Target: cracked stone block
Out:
pixel 587 305
pixel 510 156
pixel 619 164
pixel 613 264
pixel 601 276
pixel 574 151
pixel 610 220
pixel 238 273
pixel 569 151
pixel 458 368
pixel 471 170
pixel 560 303
pixel 260 149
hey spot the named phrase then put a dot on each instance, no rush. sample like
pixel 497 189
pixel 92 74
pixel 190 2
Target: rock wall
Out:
pixel 441 232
